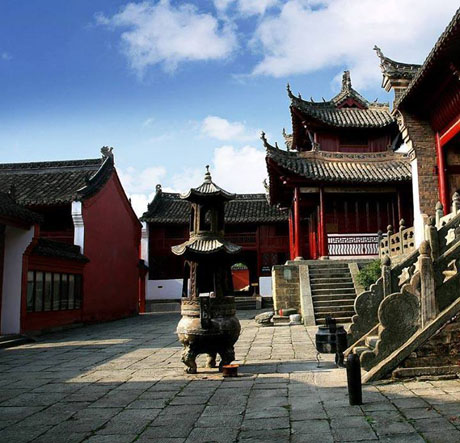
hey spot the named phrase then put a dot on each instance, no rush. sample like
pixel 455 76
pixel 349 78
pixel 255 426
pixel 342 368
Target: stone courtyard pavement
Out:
pixel 123 381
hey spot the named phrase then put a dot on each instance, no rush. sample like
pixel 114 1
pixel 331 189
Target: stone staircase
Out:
pixel 332 291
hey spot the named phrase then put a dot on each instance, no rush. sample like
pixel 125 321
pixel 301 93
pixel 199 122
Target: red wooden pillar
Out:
pixel 323 249
pixel 291 235
pixel 442 180
pixel 297 236
pixel 400 211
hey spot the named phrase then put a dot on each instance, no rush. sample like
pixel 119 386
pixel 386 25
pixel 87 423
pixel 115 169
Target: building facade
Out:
pixel 341 177
pixel 80 262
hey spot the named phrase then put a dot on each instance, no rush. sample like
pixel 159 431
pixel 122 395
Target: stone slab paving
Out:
pixel 123 381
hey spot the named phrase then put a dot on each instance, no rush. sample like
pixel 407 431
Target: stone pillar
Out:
pixel 390 232
pixel 402 226
pixel 431 234
pixel 428 289
pixel 386 276
pixel 439 213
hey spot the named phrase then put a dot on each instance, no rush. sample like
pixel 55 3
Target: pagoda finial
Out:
pixel 207 176
pixel 346 81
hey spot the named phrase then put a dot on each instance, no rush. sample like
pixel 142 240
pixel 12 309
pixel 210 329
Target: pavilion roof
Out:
pixel 348 109
pixel 56 182
pixel 169 208
pixel 10 210
pixel 206 245
pixel 340 167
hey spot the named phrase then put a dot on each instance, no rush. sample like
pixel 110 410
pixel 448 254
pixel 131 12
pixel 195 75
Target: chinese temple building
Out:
pixel 427 109
pixel 70 245
pixel 341 176
pixel 261 230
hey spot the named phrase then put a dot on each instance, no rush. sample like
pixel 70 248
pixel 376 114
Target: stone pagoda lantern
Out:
pixel 209 324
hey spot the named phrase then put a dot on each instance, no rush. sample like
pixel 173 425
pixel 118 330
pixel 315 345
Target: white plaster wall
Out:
pixel 265 286
pixel 163 289
pixel 419 230
pixel 145 243
pixel 78 224
pixel 16 242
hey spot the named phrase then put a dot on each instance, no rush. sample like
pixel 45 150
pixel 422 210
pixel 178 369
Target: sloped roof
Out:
pixel 203 245
pixel 169 208
pixel 451 34
pixel 378 167
pixel 57 182
pixel 396 70
pixel 55 249
pixel 207 189
pixel 334 113
pixel 9 209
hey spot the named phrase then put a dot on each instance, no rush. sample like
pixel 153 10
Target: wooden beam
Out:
pixel 442 181
pixel 450 132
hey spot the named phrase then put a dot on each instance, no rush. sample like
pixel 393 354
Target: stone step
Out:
pixel 335 280
pixel 371 341
pixel 317 286
pixel 337 308
pixel 330 291
pixel 329 274
pixel 322 321
pixel 325 300
pixel 335 314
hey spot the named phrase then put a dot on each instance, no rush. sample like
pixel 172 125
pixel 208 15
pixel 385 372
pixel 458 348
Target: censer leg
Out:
pixel 227 356
pixel 317 359
pixel 188 357
pixel 211 360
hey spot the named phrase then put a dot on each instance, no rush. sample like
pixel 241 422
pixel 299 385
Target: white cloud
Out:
pixel 148 122
pixel 222 129
pixel 246 7
pixel 310 35
pixel 236 170
pixel 135 181
pixel 157 32
pixel 5 56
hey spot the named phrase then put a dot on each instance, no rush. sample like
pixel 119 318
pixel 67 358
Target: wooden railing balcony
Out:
pixel 353 244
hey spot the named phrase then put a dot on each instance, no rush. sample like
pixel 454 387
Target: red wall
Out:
pixel 240 278
pixel 112 236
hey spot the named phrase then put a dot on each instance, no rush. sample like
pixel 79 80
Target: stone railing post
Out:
pixel 401 235
pixel 439 213
pixel 379 240
pixel 390 232
pixel 427 291
pixel 386 276
pixel 455 203
pixel 431 235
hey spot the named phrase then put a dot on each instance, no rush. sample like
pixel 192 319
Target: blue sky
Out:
pixel 174 85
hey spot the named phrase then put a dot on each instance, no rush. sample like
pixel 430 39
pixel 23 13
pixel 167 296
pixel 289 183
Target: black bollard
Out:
pixel 355 393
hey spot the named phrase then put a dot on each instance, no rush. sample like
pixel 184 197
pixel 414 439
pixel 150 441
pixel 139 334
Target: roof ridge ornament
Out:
pixel 158 189
pixel 346 81
pixel 289 91
pixel 107 152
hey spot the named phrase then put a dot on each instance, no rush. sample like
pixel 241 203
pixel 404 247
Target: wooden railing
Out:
pixel 353 244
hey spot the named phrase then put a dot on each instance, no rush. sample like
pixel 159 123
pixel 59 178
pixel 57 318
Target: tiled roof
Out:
pixel 207 189
pixel 396 70
pixel 9 209
pixel 379 167
pixel 366 115
pixel 46 183
pixel 55 249
pixel 169 208
pixel 451 33
pixel 202 245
